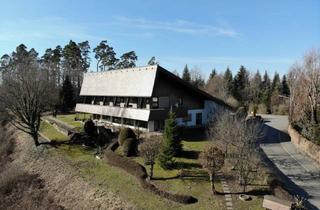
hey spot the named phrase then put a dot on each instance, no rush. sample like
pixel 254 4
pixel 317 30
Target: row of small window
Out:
pixel 132 102
pixel 124 121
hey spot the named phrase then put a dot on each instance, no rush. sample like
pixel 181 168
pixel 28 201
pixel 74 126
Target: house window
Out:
pixel 142 124
pixel 98 100
pixel 116 120
pixel 155 102
pixel 106 117
pixel 127 121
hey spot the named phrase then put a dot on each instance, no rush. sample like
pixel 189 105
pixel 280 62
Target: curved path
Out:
pixel 300 173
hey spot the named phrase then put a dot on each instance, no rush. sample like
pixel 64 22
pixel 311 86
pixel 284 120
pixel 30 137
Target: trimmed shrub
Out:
pixel 129 147
pixel 124 134
pixel 90 128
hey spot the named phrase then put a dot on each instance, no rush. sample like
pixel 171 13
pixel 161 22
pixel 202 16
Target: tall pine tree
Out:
pixel 266 92
pixel 67 95
pixel 186 74
pixel 228 80
pixel 212 74
pixel 284 86
pixel 172 145
pixel 241 86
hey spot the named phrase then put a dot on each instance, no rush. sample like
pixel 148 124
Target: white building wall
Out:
pixel 211 109
pixel 151 126
pixel 193 113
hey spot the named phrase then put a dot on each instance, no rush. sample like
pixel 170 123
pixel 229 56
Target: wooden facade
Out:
pixel 142 103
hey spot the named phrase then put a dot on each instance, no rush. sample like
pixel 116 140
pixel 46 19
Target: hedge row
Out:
pixel 140 173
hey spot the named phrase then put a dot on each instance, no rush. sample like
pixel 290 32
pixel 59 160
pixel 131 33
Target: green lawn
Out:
pixel 113 179
pixel 69 119
pixel 50 132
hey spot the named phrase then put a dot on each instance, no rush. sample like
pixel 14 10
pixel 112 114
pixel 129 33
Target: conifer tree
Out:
pixel 186 74
pixel 67 95
pixel 228 80
pixel 276 84
pixel 241 86
pixel 212 74
pixel 171 145
pixel 284 86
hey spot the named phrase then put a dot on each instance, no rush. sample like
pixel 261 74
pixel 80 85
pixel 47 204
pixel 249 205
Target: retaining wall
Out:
pixel 304 145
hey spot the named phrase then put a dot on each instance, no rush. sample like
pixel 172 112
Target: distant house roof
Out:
pixel 133 82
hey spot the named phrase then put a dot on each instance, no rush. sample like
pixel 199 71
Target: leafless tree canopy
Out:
pixel 25 92
pixel 149 150
pixel 239 139
pixel 212 160
pixel 304 83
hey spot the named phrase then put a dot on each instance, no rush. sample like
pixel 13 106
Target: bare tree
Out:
pixel 304 84
pixel 25 94
pixel 221 130
pixel 149 150
pixel 216 86
pixel 212 160
pixel 239 138
pixel 247 161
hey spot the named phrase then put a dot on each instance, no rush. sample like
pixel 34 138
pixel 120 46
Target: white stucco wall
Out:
pixel 211 109
pixel 193 113
pixel 151 126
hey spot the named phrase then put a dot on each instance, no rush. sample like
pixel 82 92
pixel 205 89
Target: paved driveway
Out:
pixel 300 173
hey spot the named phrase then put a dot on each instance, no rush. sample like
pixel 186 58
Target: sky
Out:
pixel 205 34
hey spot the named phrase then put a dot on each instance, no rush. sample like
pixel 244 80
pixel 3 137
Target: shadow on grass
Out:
pixel 193 134
pixel 256 192
pixel 184 165
pixel 189 154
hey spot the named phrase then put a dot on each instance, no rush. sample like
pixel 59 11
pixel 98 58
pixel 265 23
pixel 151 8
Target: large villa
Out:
pixel 142 97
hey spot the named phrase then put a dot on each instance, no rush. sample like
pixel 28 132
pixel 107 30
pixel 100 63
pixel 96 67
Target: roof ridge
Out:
pixel 139 68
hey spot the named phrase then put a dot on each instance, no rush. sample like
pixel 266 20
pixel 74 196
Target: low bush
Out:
pixel 138 171
pixel 129 147
pixel 124 134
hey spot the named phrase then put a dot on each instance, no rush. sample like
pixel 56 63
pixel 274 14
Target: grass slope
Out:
pixel 196 183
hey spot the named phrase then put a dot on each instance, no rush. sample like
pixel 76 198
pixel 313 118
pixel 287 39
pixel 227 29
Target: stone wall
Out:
pixel 304 145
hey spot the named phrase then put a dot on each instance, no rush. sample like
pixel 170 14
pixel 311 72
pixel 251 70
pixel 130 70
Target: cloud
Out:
pixel 45 28
pixel 178 26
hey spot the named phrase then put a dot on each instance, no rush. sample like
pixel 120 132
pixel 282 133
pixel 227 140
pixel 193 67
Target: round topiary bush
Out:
pixel 129 147
pixel 90 128
pixel 124 134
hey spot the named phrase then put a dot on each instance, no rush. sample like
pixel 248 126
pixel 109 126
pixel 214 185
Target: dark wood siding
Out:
pixel 166 86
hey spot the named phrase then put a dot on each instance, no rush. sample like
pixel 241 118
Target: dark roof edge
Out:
pixel 197 90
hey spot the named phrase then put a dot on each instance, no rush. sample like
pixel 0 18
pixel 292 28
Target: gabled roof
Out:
pixel 134 82
pixel 121 82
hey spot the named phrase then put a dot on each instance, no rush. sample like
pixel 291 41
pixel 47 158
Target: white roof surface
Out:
pixel 121 82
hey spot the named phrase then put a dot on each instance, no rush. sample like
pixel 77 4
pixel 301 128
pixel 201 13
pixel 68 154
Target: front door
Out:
pixel 199 119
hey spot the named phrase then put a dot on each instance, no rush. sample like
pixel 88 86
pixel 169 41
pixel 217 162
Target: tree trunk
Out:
pixel 36 139
pixel 151 170
pixel 214 192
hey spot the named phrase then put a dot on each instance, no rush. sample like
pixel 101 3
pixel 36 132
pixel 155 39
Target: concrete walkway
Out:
pixel 301 174
pixel 226 191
